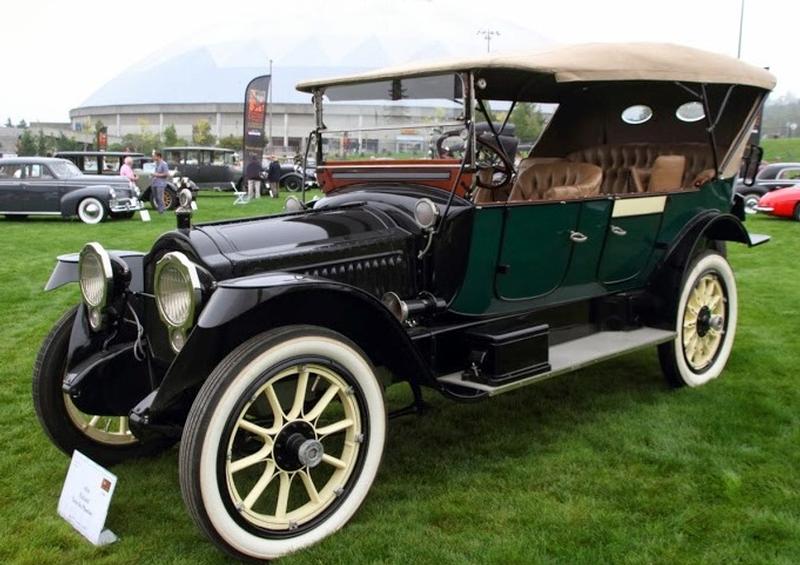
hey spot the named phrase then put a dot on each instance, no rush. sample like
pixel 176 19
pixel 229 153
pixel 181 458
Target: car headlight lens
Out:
pixel 95 278
pixel 177 292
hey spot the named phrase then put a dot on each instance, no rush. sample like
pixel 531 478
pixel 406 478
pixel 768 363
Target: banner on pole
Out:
pixel 255 113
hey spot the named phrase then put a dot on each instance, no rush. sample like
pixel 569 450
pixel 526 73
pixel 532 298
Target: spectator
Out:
pixel 160 177
pixel 126 170
pixel 274 176
pixel 252 174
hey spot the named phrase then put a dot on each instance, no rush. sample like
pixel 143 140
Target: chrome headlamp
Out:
pixel 178 292
pixel 96 280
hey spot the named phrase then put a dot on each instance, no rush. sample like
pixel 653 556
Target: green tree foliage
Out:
pixel 201 133
pixel 144 142
pixel 170 136
pixel 779 115
pixel 22 124
pixel 9 123
pixel 26 144
pixel 234 142
pixel 98 126
pixel 64 143
pixel 43 144
pixel 528 121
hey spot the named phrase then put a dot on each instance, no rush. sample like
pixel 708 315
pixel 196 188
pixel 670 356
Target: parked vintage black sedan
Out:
pixel 265 344
pixel 56 187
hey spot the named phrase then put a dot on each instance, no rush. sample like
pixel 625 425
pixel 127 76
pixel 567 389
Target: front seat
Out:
pixel 666 175
pixel 559 180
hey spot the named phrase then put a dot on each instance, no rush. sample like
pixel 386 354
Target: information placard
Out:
pixel 86 497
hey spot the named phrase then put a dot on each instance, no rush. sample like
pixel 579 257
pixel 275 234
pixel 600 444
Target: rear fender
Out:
pixel 707 231
pixel 242 308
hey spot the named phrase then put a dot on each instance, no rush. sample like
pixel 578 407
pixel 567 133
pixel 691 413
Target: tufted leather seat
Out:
pixel 558 180
pixel 616 161
pixel 665 176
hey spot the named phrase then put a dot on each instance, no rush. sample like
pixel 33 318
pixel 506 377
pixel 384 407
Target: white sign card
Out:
pixel 194 205
pixel 144 215
pixel 86 497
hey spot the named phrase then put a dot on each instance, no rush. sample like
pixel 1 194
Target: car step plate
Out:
pixel 572 355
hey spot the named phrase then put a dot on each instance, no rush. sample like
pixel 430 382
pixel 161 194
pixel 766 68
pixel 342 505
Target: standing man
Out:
pixel 160 177
pixel 252 174
pixel 274 176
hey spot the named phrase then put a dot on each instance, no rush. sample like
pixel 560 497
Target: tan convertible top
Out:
pixel 588 62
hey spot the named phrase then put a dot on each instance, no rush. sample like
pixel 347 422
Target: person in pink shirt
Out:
pixel 126 170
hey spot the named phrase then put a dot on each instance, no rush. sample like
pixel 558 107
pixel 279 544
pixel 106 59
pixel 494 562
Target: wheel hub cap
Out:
pixel 310 453
pixel 289 442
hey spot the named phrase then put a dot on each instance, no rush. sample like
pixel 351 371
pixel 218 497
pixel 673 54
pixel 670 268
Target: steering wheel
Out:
pixel 488 157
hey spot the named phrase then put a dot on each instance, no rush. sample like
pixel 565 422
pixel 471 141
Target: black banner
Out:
pixel 255 113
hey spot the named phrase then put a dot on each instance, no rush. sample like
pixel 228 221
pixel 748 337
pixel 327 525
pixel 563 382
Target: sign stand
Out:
pixel 86 497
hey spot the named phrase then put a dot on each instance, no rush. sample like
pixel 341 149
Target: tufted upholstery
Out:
pixel 558 180
pixel 665 176
pixel 616 161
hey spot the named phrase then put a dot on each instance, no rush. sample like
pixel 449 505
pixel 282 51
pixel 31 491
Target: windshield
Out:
pixel 391 119
pixel 65 169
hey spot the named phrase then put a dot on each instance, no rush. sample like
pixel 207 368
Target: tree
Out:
pixel 42 144
pixel 231 142
pixel 170 136
pixel 528 120
pixel 64 143
pixel 99 126
pixel 9 123
pixel 201 133
pixel 26 144
pixel 22 124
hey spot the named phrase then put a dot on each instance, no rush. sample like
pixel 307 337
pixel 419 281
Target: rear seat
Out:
pixel 618 160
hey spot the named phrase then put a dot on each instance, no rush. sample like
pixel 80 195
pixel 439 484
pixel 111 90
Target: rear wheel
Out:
pixel 751 201
pixel 105 439
pixel 705 323
pixel 91 211
pixel 282 442
pixel 292 183
pixel 796 215
pixel 170 199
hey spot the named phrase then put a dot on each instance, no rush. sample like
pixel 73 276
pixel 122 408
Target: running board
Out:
pixel 572 355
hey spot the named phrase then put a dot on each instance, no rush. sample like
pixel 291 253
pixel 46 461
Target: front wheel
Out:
pixel 91 211
pixel 282 442
pixel 750 202
pixel 105 439
pixel 705 323
pixel 292 183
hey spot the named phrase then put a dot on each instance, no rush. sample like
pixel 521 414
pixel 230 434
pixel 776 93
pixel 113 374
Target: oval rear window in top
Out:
pixel 690 112
pixel 637 114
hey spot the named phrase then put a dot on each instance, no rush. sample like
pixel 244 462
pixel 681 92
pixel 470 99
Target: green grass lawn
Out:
pixel 603 465
pixel 781 150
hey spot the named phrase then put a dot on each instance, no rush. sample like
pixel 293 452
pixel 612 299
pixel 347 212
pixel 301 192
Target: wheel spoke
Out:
pixel 123 425
pixel 252 459
pixel 275 405
pixel 315 412
pixel 299 395
pixel 92 422
pixel 260 486
pixel 333 461
pixel 335 427
pixel 249 426
pixel 311 488
pixel 283 495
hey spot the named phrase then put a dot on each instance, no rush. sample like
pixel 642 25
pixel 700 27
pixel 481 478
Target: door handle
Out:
pixel 577 236
pixel 616 230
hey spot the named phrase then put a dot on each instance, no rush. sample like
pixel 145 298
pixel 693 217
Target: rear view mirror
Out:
pixel 751 161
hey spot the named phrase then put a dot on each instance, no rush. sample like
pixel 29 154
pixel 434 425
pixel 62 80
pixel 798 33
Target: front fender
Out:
pixel 242 308
pixel 69 202
pixel 66 269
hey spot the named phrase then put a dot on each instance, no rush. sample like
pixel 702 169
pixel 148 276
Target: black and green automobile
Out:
pixel 264 345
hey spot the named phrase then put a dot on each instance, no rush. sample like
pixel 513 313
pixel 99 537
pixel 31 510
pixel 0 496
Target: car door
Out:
pixel 630 239
pixel 536 247
pixel 42 189
pixel 12 187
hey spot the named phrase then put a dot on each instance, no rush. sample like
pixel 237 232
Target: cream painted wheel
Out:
pixel 91 211
pixel 283 442
pixel 706 323
pixel 108 430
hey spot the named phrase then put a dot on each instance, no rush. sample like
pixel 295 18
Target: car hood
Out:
pixel 790 193
pixel 292 242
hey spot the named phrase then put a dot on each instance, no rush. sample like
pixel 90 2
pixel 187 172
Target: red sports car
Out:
pixel 784 203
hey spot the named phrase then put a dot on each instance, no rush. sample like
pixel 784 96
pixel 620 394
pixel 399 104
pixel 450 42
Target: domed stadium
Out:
pixel 205 80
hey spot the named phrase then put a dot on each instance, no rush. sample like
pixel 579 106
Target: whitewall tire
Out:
pixel 705 323
pixel 282 442
pixel 91 211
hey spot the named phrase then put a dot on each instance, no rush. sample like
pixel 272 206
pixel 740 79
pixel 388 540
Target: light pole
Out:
pixel 269 136
pixel 741 26
pixel 487 35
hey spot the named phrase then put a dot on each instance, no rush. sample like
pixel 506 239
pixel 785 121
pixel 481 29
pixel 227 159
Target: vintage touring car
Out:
pixel 265 344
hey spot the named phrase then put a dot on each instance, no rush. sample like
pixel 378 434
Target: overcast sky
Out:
pixel 56 54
